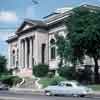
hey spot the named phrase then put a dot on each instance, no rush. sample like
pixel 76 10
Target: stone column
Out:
pixel 26 53
pixel 30 55
pixel 19 53
pixel 33 61
pixel 23 53
pixel 9 59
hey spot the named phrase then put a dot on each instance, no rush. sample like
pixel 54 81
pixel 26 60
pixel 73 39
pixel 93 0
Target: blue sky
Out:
pixel 13 12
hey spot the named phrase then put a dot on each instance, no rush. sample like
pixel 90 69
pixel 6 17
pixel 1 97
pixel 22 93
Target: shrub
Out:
pixel 67 72
pixel 51 74
pixel 56 80
pixel 40 70
pixel 85 75
pixel 10 80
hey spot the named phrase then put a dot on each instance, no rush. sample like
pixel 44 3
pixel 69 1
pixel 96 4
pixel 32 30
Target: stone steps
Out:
pixel 29 83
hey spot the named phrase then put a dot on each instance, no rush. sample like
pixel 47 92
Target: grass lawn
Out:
pixel 95 87
pixel 45 81
pixel 49 81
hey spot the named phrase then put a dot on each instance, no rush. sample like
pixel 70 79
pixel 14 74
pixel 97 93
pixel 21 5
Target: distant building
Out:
pixel 34 41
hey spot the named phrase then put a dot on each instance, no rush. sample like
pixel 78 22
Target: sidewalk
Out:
pixel 27 91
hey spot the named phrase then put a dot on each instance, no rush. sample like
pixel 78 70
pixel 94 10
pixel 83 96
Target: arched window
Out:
pixel 52 49
pixel 13 57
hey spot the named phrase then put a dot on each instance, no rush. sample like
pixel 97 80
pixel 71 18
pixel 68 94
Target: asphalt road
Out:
pixel 6 95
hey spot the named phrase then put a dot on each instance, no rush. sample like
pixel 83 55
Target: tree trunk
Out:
pixel 96 72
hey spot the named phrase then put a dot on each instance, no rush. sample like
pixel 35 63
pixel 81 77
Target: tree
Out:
pixel 66 53
pixel 67 72
pixel 84 34
pixel 3 68
pixel 61 45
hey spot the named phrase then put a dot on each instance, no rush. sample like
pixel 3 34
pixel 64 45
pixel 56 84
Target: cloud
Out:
pixel 8 16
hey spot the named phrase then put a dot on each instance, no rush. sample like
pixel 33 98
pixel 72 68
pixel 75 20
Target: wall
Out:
pixel 42 38
pixel 61 30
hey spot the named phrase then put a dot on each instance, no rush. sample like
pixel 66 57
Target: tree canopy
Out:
pixel 3 68
pixel 84 34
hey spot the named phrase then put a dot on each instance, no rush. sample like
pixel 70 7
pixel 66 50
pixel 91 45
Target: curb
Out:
pixel 27 91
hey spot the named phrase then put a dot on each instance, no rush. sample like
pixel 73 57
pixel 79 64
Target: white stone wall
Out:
pixel 61 30
pixel 42 38
pixel 12 46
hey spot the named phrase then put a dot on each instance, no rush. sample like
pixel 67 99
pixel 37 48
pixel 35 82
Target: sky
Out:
pixel 13 13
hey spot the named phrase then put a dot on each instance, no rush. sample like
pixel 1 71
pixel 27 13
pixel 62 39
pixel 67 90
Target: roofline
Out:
pixel 12 38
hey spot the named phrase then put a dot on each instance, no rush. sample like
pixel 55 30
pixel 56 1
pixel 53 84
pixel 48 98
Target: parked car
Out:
pixel 3 86
pixel 68 88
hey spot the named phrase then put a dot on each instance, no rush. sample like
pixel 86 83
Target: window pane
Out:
pixel 52 52
pixel 52 42
pixel 69 85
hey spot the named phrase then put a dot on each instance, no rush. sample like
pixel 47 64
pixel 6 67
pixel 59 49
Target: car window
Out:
pixel 68 85
pixel 61 84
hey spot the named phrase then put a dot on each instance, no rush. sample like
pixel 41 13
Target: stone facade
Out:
pixel 33 42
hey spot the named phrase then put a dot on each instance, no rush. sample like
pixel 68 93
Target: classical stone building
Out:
pixel 34 42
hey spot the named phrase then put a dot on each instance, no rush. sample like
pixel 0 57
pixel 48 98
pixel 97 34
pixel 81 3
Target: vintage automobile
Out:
pixel 3 86
pixel 72 88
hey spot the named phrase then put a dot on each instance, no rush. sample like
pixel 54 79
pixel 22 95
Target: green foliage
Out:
pixel 51 74
pixel 3 68
pixel 50 81
pixel 40 70
pixel 85 75
pixel 67 72
pixel 10 80
pixel 56 80
pixel 64 50
pixel 84 34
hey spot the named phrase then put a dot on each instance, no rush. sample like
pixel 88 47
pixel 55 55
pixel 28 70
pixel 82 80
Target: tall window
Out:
pixel 13 57
pixel 43 53
pixel 53 49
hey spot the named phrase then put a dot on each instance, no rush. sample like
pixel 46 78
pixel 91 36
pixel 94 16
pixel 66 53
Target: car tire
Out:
pixel 82 95
pixel 48 93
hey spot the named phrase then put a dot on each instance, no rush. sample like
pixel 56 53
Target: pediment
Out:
pixel 24 26
pixel 30 24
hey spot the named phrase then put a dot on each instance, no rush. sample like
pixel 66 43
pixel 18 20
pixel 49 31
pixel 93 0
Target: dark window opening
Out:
pixel 13 57
pixel 53 48
pixel 53 56
pixel 43 53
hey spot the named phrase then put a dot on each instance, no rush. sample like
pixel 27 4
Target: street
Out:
pixel 7 95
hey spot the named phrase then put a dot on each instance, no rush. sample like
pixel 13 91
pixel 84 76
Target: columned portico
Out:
pixel 26 52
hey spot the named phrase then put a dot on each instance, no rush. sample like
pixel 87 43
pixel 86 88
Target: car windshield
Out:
pixel 61 84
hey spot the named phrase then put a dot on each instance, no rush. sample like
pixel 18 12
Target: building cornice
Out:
pixel 12 38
